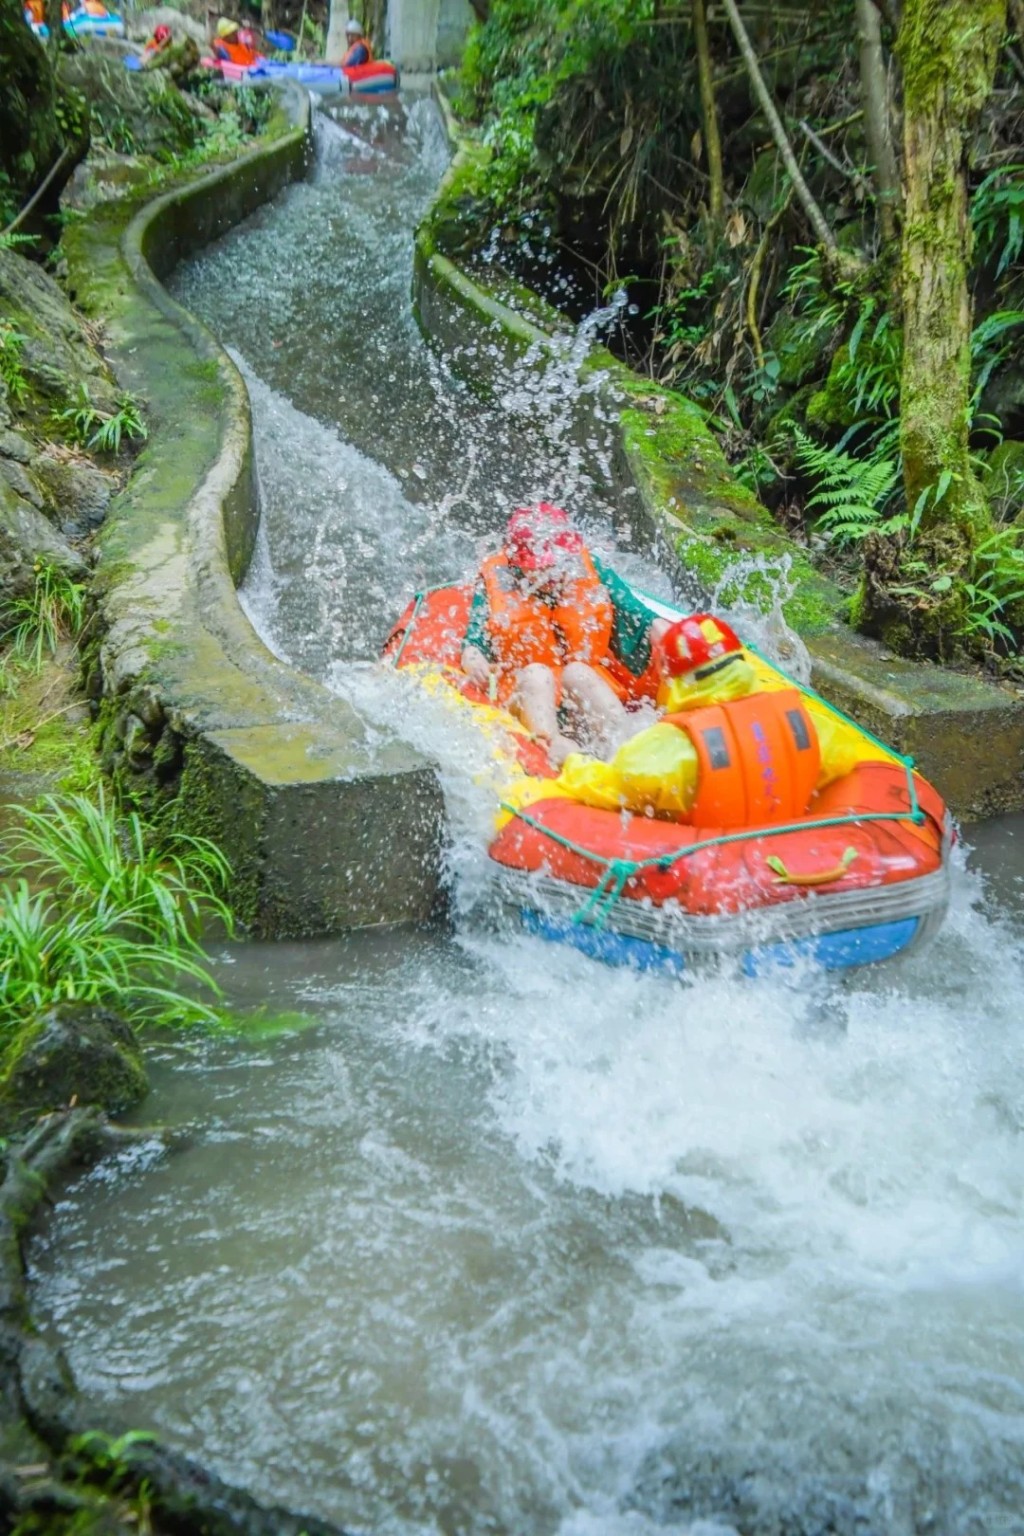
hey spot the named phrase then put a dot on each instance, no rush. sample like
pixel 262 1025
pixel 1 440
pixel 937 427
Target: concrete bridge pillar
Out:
pixel 424 35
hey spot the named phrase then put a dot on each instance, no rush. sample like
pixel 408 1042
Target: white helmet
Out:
pixel 353 28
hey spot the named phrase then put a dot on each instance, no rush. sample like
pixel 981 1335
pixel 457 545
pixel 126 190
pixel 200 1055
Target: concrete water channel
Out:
pixel 503 1241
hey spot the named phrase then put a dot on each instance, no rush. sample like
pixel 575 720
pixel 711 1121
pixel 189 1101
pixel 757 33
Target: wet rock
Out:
pixel 13 445
pixel 138 113
pixel 77 494
pixel 25 537
pixel 74 1051
pixel 15 477
pixel 56 358
pixel 142 24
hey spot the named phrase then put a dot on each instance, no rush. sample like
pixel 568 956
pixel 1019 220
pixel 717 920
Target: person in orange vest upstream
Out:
pixel 359 50
pixel 728 752
pixel 236 45
pixel 557 637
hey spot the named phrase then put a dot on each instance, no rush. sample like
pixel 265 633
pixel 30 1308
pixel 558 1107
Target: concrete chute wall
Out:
pixel 327 825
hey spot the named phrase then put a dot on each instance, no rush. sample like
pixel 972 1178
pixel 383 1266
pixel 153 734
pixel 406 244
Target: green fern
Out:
pixel 852 493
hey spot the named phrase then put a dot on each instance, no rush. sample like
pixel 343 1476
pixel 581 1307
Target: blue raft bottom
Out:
pixel 831 951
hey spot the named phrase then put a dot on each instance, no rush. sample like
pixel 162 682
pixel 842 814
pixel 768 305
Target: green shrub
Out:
pixel 102 908
pixel 93 428
pixel 32 626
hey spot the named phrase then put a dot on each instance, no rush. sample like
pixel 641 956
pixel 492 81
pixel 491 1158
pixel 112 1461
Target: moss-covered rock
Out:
pixel 802 351
pixel 765 185
pixel 55 360
pixel 138 113
pixel 75 1052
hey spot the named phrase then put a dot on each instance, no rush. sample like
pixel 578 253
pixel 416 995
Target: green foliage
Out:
pixel 11 342
pixel 532 53
pixel 11 240
pixel 994 585
pixel 102 1491
pixel 112 914
pixel 32 626
pixel 93 428
pixel 997 216
pixel 852 493
pixel 991 344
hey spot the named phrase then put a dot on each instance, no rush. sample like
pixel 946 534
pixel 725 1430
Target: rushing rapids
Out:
pixel 504 1241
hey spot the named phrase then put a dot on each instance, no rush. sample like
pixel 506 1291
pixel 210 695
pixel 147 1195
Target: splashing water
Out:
pixel 505 1241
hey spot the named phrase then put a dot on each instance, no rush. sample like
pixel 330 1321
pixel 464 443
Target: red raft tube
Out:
pixel 861 877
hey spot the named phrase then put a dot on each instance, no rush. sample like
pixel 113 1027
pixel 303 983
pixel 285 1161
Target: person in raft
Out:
pixel 237 46
pixel 728 751
pixel 359 50
pixel 557 637
pixel 158 43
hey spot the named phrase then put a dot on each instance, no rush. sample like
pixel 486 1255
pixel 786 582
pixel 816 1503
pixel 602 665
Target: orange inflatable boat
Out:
pixel 861 876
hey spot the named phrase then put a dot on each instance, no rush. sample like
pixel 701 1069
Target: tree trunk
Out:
pixel 876 116
pixel 948 51
pixel 712 140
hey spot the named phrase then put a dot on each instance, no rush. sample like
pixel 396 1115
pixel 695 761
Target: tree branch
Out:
pixel 817 219
pixel 876 116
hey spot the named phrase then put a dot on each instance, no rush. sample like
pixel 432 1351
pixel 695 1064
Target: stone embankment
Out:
pixel 326 827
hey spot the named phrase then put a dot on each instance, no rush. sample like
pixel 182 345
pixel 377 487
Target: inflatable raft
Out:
pixel 862 876
pixel 374 79
pixel 90 20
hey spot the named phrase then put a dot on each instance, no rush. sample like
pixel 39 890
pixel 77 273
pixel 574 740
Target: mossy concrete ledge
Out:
pixel 327 826
pixel 677 491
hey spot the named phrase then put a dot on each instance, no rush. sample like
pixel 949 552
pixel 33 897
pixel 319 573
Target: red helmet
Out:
pixel 162 33
pixel 699 644
pixel 536 535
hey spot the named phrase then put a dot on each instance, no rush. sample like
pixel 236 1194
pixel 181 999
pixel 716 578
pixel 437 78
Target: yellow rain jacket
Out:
pixel 656 771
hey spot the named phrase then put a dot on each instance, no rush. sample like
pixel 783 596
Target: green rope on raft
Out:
pixel 618 872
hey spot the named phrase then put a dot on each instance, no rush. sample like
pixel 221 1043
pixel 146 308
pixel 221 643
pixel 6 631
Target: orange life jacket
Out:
pixel 759 759
pixel 236 53
pixel 360 42
pixel 523 630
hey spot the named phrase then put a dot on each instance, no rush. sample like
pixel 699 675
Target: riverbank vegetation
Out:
pixel 809 220
pixel 102 906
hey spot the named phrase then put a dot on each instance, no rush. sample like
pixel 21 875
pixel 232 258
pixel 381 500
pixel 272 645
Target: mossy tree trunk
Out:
pixel 948 51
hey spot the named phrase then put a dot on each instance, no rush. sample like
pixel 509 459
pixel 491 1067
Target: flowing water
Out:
pixel 503 1241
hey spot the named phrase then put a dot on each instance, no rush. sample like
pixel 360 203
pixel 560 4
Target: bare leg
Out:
pixel 535 702
pixel 602 715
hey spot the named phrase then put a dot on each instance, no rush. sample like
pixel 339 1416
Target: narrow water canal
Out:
pixel 504 1241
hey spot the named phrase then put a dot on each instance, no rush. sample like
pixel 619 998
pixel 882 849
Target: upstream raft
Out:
pixel 378 78
pixel 862 876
